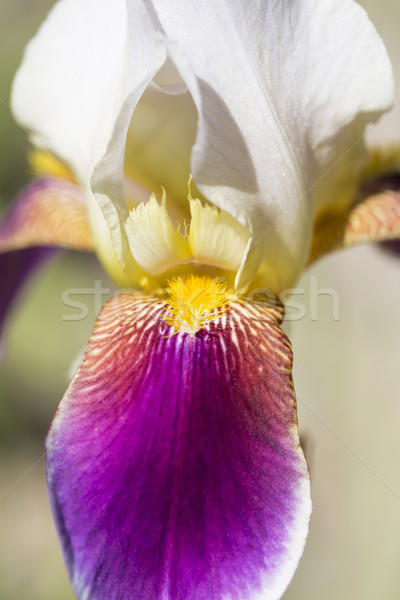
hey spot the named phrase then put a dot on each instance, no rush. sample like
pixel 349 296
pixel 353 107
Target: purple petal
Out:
pixel 15 269
pixel 389 181
pixel 391 246
pixel 173 462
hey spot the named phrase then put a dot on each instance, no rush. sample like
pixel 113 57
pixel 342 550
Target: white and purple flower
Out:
pixel 174 465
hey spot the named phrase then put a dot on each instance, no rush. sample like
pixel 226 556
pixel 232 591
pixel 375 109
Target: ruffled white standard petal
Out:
pixel 78 71
pixel 78 85
pixel 274 83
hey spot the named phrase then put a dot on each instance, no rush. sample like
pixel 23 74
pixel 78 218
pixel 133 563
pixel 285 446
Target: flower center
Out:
pixel 159 246
pixel 195 301
pixel 214 237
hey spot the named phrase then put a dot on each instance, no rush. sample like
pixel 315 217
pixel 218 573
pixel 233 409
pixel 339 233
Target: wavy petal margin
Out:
pixel 173 462
pixel 271 121
pixel 375 217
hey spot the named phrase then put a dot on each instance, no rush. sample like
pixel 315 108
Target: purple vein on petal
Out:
pixel 173 463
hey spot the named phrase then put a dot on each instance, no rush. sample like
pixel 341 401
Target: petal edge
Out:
pixel 173 462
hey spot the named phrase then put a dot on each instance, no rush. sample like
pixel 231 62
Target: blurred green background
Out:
pixel 346 376
pixel 40 348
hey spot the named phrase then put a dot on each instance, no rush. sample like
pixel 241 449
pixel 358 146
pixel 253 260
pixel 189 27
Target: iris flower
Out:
pixel 207 152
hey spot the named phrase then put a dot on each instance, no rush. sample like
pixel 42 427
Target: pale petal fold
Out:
pixel 216 237
pixel 275 85
pixel 154 242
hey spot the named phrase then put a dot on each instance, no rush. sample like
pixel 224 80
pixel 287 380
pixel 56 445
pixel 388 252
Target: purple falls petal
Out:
pixel 15 269
pixel 173 462
pixel 391 246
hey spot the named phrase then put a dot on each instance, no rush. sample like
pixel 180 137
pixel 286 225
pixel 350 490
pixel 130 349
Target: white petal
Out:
pixel 169 79
pixel 153 241
pixel 75 77
pixel 215 237
pixel 79 82
pixel 273 83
